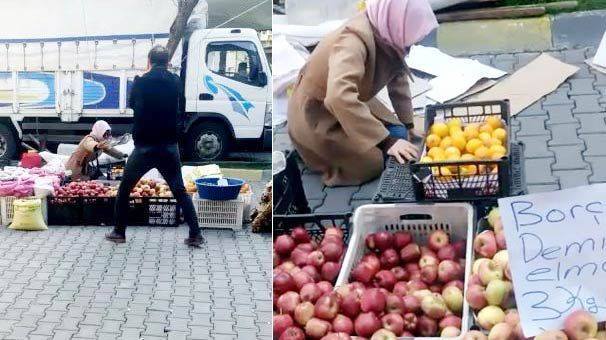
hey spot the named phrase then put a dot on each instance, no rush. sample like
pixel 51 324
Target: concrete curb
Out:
pixel 549 32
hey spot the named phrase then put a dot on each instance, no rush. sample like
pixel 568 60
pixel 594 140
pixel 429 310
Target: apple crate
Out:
pixel 219 214
pixel 420 220
pixel 315 224
pixel 7 211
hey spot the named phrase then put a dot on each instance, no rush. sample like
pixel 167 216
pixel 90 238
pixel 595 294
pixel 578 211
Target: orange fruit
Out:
pixel 446 142
pixel 468 157
pixel 459 141
pixel 432 140
pixel 494 141
pixel 452 152
pixel 482 152
pixel 486 128
pixel 426 159
pixel 471 131
pixel 436 153
pixel 454 130
pixel 440 129
pixel 497 151
pixel 500 134
pixel 494 121
pixel 473 144
pixel 454 122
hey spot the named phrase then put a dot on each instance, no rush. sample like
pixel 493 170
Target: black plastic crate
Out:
pixel 65 210
pixel 315 224
pixel 490 178
pixel 399 184
pixel 154 211
pixel 98 210
pixel 288 193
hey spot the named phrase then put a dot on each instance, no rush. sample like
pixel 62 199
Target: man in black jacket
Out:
pixel 157 100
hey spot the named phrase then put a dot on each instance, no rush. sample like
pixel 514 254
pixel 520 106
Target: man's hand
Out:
pixel 403 151
pixel 415 134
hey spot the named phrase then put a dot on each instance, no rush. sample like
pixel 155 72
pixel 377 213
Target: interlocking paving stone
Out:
pixel 367 190
pixel 536 146
pixel 596 144
pixel 538 171
pixel 572 178
pixel 592 123
pixel 339 198
pixel 582 86
pixel 558 97
pixel 538 188
pixel 560 114
pixel 587 103
pixel 598 167
pixel 532 126
pixel 564 134
pixel 569 157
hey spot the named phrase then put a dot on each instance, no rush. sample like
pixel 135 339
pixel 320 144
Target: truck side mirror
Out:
pixel 262 79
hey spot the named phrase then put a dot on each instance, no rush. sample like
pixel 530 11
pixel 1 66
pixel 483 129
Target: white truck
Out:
pixel 58 77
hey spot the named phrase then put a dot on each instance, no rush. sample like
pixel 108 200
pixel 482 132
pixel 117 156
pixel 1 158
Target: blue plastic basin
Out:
pixel 208 189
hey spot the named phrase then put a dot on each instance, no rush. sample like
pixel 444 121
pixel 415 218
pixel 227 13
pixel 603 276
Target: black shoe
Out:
pixel 115 237
pixel 194 241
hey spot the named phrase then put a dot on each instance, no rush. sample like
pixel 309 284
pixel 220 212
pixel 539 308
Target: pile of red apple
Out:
pixel 398 288
pixel 303 278
pixel 490 291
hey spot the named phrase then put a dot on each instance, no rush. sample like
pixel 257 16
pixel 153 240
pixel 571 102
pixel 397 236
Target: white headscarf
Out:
pixel 99 129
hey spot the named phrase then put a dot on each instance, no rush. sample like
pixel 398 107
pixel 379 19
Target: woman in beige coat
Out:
pixel 334 120
pixel 89 149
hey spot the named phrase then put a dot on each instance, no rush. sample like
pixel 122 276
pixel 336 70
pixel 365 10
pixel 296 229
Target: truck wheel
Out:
pixel 208 141
pixel 8 143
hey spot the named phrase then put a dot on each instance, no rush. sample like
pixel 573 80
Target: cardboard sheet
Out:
pixel 530 83
pixel 594 66
pixel 600 56
pixel 418 86
pixel 454 76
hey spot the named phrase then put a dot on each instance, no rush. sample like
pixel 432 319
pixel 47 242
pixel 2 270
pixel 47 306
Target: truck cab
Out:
pixel 228 96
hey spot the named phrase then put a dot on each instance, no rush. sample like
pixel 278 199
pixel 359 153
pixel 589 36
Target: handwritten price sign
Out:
pixel 557 254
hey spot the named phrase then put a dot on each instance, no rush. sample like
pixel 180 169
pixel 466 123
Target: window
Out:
pixel 236 60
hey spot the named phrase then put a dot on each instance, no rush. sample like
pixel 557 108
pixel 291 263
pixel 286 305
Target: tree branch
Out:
pixel 177 29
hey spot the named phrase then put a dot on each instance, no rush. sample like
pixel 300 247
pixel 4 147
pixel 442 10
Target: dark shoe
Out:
pixel 115 237
pixel 194 241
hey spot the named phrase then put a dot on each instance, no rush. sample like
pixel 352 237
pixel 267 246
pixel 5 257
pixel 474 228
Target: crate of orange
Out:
pixel 466 154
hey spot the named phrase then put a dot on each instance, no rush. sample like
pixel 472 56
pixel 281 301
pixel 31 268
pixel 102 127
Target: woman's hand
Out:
pixel 103 145
pixel 415 134
pixel 403 150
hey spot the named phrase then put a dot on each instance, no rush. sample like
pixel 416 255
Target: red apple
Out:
pixel 410 322
pixel 300 235
pixel 313 272
pixel 370 242
pixel 367 324
pixel 401 239
pixel 385 279
pixel 400 273
pixel 342 323
pixel 429 273
pixel 450 321
pixel 436 288
pixel 580 325
pixel 331 239
pixel 284 245
pixel 301 278
pixel 383 240
pixel 299 257
pixel 292 333
pixel 414 285
pixel 316 258
pixel 373 261
pixel 427 251
pixel 350 305
pixel 412 267
pixel 460 248
pixel 501 242
pixel 447 253
pixel 383 334
pixel 325 286
pixel 437 240
pixel 485 244
pixel 281 323
pixel 477 335
pixel 475 296
pixel 330 271
pixel 448 270
pixel 426 327
pixel 363 272
pixel 411 304
pixel 400 288
pixel 434 306
pixel 304 312
pixel 327 307
pixel 394 304
pixel 474 279
pixel 393 322
pixel 332 251
pixel 373 300
pixel 287 302
pixel 317 328
pixel 307 247
pixel 283 282
pixel 334 231
pixel 310 292
pixel 410 253
pixel 389 259
pixel 287 266
pixel 456 283
pixel 337 336
pixel 428 260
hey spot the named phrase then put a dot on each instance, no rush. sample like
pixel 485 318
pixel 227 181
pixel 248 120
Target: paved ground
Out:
pixel 68 283
pixel 564 134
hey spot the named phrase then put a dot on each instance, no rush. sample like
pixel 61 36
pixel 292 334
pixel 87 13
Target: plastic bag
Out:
pixel 28 215
pixel 7 188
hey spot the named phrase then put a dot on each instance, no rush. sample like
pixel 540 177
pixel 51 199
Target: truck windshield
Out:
pixel 236 60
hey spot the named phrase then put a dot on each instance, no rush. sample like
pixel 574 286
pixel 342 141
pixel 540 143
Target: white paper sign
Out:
pixel 557 254
pixel 600 56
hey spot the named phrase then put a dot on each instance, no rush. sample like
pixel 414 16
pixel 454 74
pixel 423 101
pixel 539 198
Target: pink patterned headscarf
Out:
pixel 99 129
pixel 401 23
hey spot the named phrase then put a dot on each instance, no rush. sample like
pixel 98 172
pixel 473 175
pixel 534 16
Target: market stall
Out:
pixel 431 258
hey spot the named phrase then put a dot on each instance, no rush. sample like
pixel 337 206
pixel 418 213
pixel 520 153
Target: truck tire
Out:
pixel 8 143
pixel 208 141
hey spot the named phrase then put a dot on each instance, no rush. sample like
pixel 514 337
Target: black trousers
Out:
pixel 166 159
